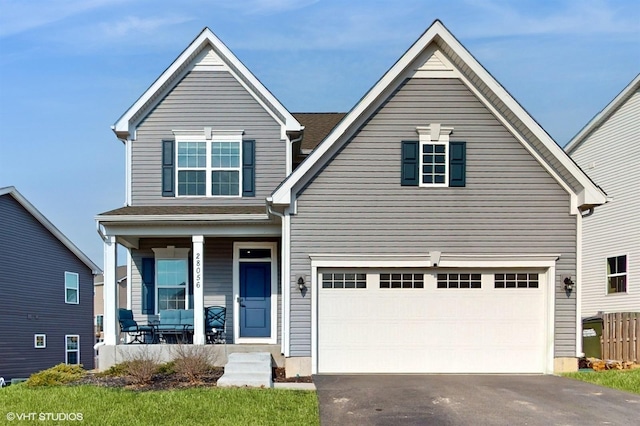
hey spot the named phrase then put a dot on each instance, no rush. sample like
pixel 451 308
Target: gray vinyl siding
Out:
pixel 32 295
pixel 510 204
pixel 218 275
pixel 610 155
pixel 206 99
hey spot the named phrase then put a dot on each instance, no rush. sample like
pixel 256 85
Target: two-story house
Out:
pixel 433 229
pixel 46 292
pixel 608 148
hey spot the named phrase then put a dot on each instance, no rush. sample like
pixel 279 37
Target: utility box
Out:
pixel 592 336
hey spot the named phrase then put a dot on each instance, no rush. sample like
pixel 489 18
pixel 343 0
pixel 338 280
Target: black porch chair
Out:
pixel 129 326
pixel 214 320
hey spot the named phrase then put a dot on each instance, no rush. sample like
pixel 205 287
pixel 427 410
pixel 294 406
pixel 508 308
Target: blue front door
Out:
pixel 255 299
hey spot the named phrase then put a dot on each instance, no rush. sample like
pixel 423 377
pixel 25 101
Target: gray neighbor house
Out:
pixel 46 293
pixel 434 228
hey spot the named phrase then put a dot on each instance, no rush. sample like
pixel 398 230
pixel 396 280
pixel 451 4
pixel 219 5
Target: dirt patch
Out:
pixel 174 381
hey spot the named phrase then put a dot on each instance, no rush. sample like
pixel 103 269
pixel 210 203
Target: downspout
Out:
pixel 290 152
pixel 284 267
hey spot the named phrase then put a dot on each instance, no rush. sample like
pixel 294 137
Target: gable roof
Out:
pixel 317 126
pixel 12 191
pixel 221 56
pixel 438 52
pixel 604 115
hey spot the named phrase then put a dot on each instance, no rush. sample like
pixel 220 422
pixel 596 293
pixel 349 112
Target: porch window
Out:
pixel 617 274
pixel 71 288
pixel 171 283
pixel 72 349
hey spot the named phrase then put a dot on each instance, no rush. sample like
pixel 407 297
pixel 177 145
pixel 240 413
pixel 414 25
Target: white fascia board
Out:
pixel 424 261
pixel 122 125
pixel 182 218
pixel 51 228
pixel 592 194
pixel 603 115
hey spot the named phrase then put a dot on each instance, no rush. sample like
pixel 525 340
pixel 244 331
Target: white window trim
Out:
pixel 237 246
pixel 170 253
pixel 35 341
pixel 208 136
pixel 77 289
pixel 67 351
pixel 434 134
pixel 607 275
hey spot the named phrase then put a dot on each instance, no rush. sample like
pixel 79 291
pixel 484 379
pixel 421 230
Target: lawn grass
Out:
pixel 194 406
pixel 625 380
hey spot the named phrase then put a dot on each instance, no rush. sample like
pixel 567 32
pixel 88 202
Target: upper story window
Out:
pixel 208 163
pixel 617 274
pixel 209 168
pixel 71 288
pixel 433 160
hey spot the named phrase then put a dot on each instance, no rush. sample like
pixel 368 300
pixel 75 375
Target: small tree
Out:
pixel 192 361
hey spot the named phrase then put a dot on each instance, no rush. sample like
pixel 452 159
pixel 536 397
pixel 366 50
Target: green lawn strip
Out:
pixel 228 406
pixel 625 380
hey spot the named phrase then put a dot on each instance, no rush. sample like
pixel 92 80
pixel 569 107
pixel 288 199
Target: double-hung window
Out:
pixel 72 349
pixel 617 274
pixel 71 288
pixel 172 276
pixel 208 164
pixel 433 160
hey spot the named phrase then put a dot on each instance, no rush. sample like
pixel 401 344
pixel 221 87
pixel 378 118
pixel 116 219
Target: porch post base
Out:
pixel 565 365
pixel 297 366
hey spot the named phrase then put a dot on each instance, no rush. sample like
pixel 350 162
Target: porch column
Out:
pixel 110 319
pixel 198 290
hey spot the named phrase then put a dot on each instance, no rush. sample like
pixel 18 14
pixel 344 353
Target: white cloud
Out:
pixel 555 18
pixel 23 15
pixel 133 25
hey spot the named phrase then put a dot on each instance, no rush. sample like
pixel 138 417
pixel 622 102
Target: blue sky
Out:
pixel 70 68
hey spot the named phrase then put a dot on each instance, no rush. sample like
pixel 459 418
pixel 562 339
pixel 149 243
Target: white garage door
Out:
pixel 445 322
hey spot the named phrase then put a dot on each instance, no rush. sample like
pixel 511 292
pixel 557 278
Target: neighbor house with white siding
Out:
pixel 433 228
pixel 608 149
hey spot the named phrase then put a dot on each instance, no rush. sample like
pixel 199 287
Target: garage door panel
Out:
pixel 431 330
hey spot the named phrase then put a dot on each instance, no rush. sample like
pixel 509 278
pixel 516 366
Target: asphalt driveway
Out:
pixel 471 400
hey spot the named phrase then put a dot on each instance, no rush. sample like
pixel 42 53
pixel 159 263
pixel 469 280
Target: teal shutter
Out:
pixel 248 168
pixel 457 163
pixel 148 286
pixel 410 175
pixel 168 174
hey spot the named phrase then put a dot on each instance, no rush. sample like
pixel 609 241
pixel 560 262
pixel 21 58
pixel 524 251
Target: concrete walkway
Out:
pixel 471 400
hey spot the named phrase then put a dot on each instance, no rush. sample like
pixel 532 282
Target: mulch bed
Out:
pixel 174 381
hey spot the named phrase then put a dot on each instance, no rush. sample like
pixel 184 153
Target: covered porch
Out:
pixel 190 262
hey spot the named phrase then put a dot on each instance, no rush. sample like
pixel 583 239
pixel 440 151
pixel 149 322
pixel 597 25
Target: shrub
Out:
pixel 57 375
pixel 167 368
pixel 141 366
pixel 192 361
pixel 117 370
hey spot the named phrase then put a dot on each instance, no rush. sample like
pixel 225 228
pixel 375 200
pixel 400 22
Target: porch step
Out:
pixel 247 369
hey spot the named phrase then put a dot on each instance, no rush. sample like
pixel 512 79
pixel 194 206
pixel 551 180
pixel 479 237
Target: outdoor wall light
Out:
pixel 301 285
pixel 568 284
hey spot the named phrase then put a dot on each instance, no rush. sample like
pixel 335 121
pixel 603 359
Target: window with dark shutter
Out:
pixel 410 163
pixel 168 187
pixel 248 168
pixel 457 166
pixel 148 295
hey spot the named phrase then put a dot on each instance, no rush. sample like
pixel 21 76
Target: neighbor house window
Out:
pixel 171 283
pixel 99 323
pixel 71 288
pixel 39 341
pixel 72 349
pixel 346 280
pixel 617 274
pixel 401 280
